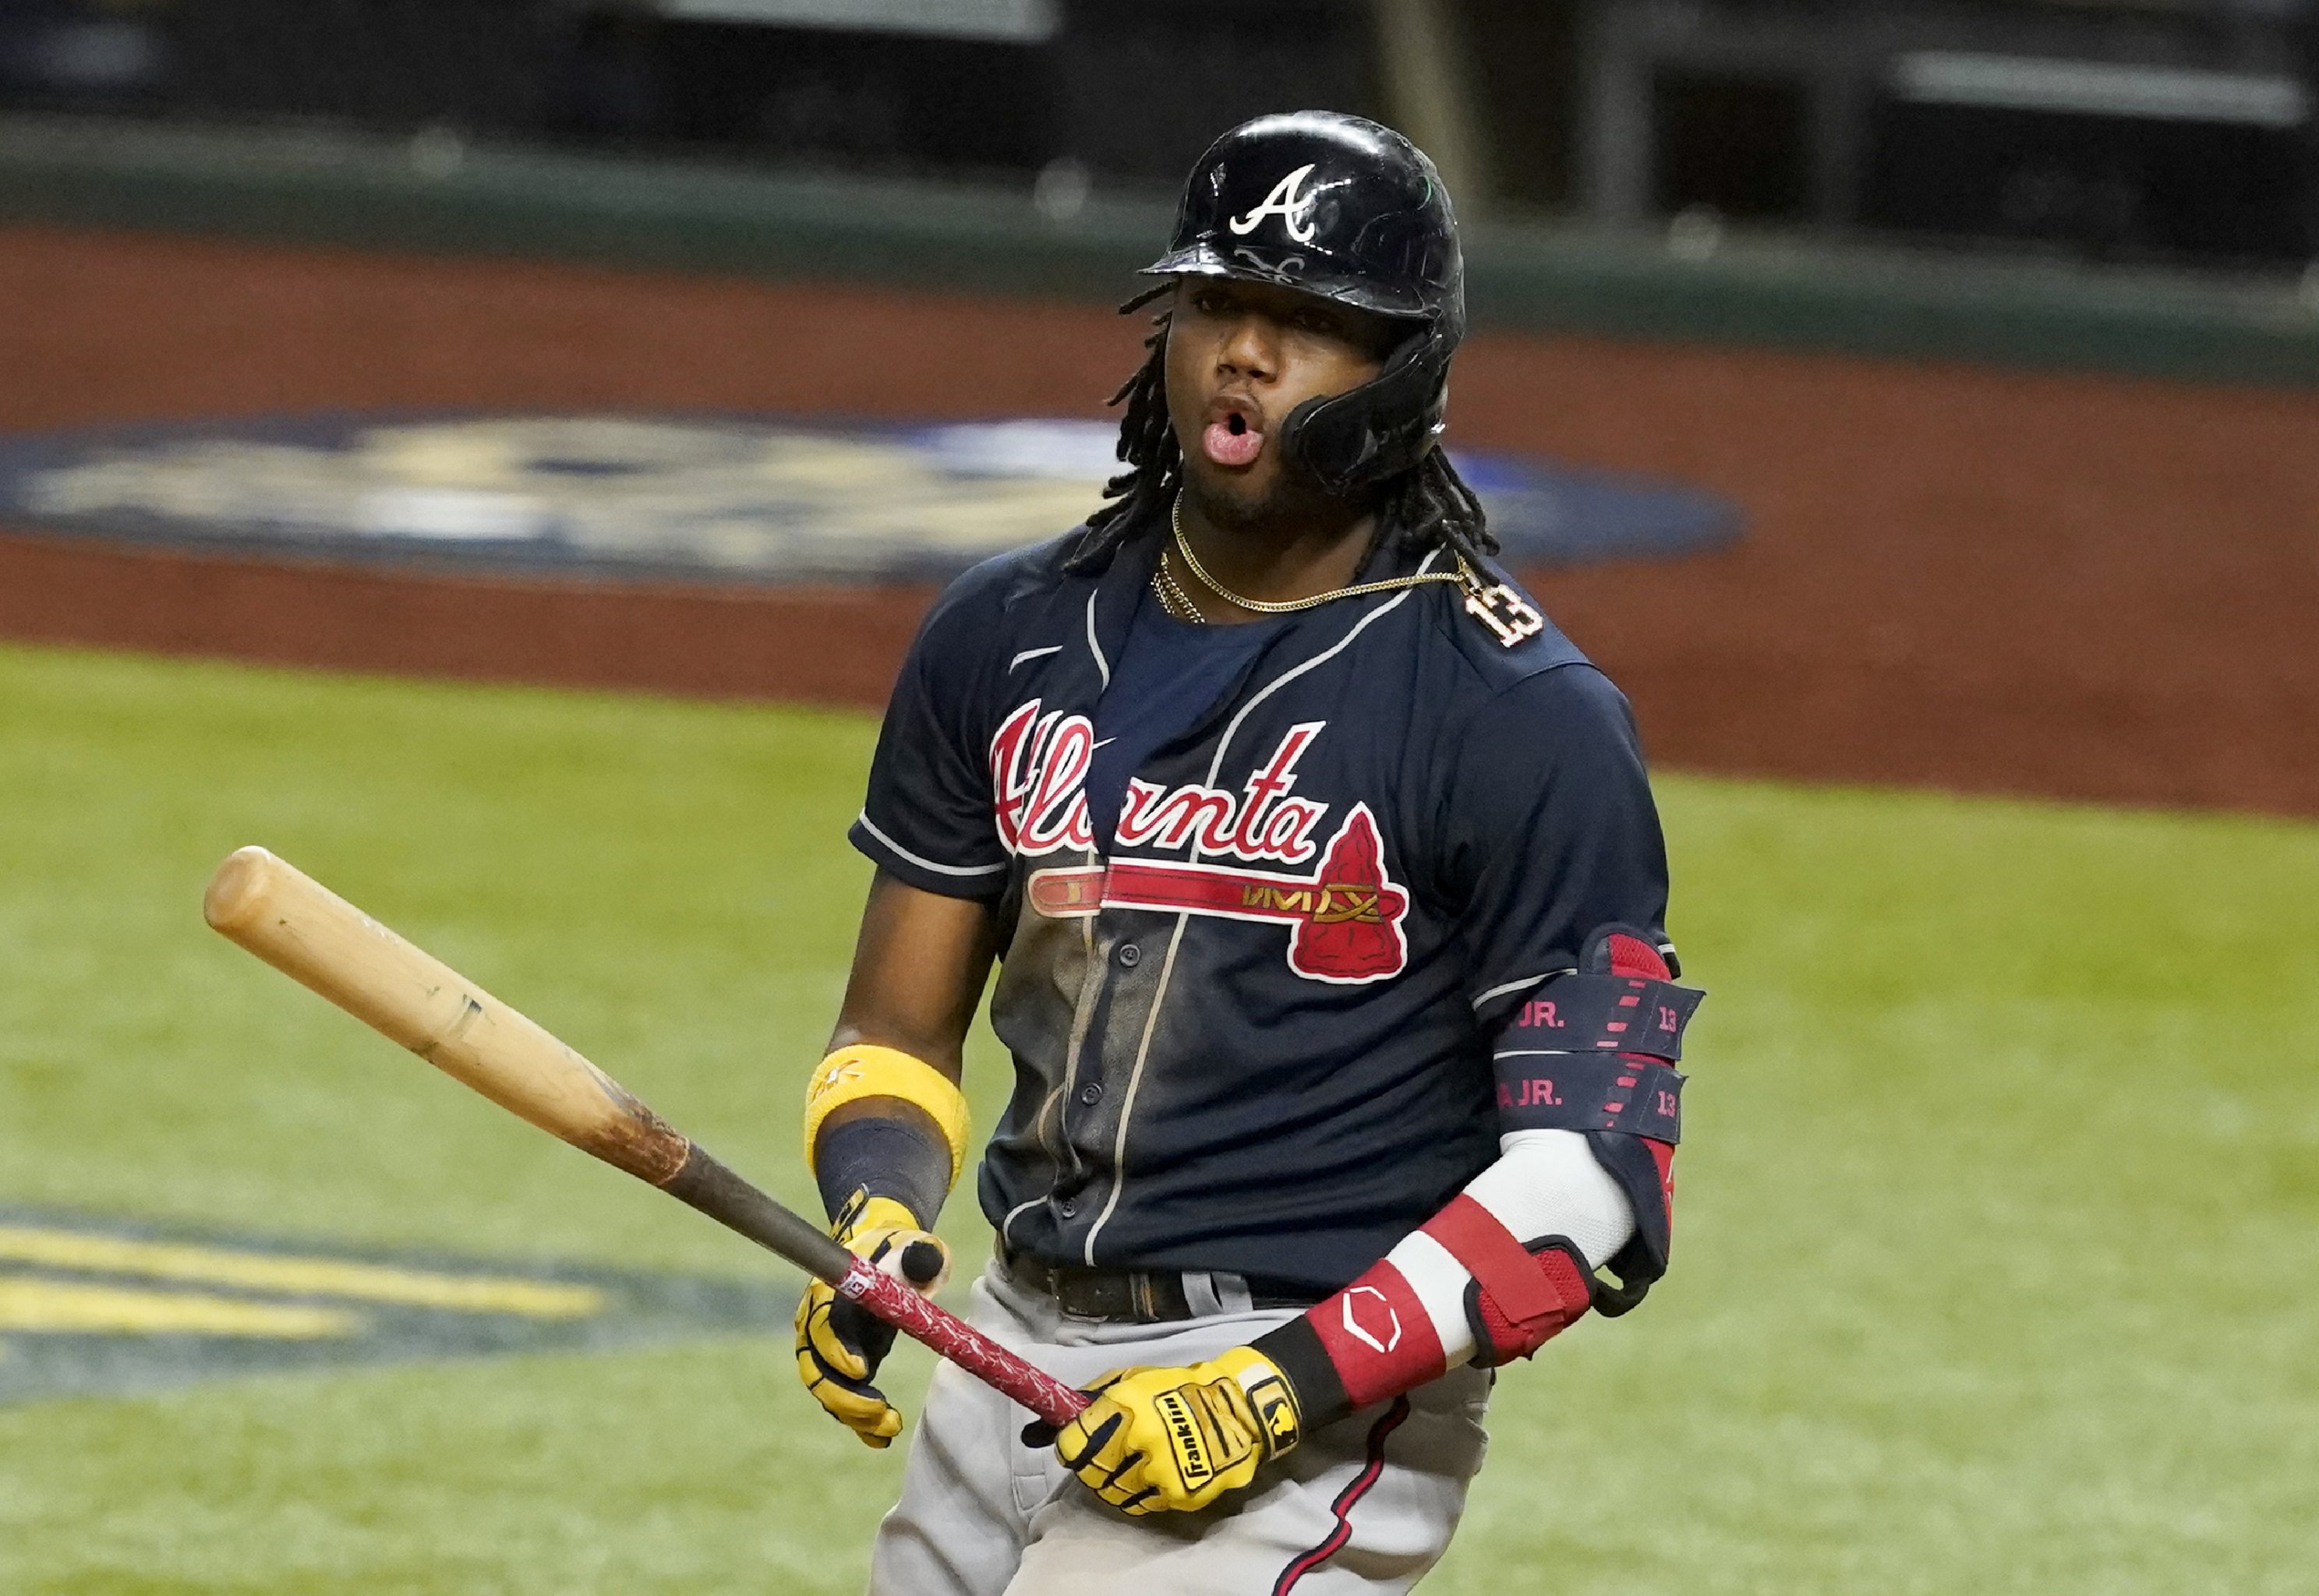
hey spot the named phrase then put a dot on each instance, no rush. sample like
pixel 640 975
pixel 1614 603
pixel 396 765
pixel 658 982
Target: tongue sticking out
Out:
pixel 1233 442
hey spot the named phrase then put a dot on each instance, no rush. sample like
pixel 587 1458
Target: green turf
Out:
pixel 1996 1258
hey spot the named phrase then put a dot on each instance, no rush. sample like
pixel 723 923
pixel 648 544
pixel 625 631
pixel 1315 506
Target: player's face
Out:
pixel 1241 357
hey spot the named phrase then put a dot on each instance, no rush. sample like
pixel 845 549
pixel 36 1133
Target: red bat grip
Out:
pixel 714 1189
pixel 915 1317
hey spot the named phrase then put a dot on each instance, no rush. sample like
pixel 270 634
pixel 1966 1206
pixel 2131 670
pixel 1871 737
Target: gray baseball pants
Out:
pixel 1362 1507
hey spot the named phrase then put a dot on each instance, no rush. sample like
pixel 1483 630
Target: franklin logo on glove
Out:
pixel 1192 1464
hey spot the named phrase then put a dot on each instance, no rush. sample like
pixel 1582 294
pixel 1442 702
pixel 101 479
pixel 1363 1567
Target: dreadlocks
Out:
pixel 1141 494
pixel 1427 507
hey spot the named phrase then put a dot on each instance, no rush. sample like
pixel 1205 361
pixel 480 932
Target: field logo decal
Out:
pixel 91 1305
pixel 702 498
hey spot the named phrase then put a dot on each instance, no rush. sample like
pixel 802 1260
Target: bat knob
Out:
pixel 922 1263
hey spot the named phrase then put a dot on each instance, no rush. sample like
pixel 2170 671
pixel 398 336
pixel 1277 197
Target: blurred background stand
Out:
pixel 2170 132
pixel 2143 132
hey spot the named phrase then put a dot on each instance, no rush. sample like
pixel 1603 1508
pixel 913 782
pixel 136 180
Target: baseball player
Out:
pixel 1327 891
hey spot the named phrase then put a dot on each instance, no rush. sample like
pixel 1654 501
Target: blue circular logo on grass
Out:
pixel 698 497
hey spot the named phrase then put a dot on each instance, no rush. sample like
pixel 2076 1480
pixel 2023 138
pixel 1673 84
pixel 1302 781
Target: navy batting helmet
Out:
pixel 1342 208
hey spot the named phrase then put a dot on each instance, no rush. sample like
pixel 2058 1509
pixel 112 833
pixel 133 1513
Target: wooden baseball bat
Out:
pixel 317 938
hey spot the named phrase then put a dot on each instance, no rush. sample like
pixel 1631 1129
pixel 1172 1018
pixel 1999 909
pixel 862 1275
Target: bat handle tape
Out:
pixel 710 1185
pixel 903 1308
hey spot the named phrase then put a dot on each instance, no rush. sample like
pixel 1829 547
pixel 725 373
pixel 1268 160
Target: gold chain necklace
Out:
pixel 1266 607
pixel 1173 599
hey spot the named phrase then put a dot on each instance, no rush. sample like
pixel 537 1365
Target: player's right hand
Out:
pixel 1174 1440
pixel 840 1345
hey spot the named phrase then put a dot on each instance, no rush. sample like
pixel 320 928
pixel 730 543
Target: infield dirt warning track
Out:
pixel 1983 579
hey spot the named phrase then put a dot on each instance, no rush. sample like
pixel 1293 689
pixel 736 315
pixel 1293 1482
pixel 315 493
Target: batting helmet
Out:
pixel 1338 207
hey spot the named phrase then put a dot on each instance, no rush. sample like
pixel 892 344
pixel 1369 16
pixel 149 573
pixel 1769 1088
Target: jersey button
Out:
pixel 1090 1093
pixel 1067 1208
pixel 1128 954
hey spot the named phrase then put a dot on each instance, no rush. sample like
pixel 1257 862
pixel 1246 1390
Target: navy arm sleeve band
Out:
pixel 1580 1013
pixel 1595 1053
pixel 1589 1092
pixel 886 1158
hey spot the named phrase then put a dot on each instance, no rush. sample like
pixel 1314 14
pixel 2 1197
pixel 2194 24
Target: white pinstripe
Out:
pixel 1525 981
pixel 1096 648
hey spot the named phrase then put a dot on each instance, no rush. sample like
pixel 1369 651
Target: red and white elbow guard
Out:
pixel 1595 1050
pixel 1522 1295
pixel 1467 1282
pixel 1588 1059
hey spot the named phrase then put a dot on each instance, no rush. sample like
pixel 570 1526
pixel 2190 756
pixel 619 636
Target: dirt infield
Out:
pixel 1965 578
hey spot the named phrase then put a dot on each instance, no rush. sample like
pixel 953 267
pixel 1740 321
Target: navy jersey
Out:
pixel 1252 1026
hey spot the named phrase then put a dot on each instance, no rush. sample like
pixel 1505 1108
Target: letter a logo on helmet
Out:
pixel 1287 202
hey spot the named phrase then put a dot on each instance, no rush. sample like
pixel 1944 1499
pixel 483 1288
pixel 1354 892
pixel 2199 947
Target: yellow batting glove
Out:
pixel 839 1344
pixel 1173 1441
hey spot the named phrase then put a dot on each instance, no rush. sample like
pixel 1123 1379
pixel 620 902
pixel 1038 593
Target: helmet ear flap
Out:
pixel 1353 440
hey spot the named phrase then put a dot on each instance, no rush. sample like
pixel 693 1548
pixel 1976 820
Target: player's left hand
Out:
pixel 1173 1441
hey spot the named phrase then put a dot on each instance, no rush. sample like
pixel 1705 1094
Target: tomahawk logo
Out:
pixel 1344 919
pixel 1287 202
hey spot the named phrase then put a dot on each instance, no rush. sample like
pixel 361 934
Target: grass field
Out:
pixel 1997 1263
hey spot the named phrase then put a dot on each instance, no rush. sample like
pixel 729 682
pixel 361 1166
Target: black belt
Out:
pixel 1147 1296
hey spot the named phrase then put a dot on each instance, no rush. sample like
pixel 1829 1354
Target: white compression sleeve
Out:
pixel 1549 1183
pixel 1545 1183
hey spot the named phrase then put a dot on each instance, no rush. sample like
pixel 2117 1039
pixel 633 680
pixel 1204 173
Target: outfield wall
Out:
pixel 436 193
